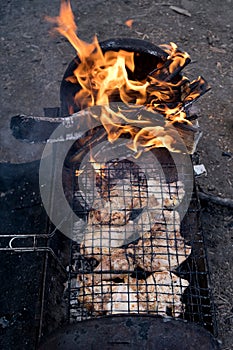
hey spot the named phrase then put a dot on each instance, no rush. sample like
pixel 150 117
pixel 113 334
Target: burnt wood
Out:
pixel 190 134
pixel 33 129
pixel 39 129
pixel 147 56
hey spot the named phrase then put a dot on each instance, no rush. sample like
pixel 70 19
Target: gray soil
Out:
pixel 33 62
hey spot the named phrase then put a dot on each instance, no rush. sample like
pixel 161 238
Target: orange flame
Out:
pixel 78 172
pixel 66 26
pixel 103 75
pixel 98 167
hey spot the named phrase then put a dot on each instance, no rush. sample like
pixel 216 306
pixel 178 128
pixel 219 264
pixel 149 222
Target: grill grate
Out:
pixel 138 254
pixel 185 292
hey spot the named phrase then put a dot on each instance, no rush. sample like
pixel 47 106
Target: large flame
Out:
pixel 103 75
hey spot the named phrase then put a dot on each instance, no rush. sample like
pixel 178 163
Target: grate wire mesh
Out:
pixel 138 254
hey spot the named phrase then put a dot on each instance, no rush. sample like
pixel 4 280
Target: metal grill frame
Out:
pixel 198 299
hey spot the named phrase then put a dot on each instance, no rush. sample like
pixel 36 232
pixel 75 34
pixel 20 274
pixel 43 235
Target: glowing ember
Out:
pixel 104 75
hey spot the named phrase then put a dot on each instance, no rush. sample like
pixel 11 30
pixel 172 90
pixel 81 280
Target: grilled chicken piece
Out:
pixel 102 238
pixel 93 294
pixel 117 204
pixel 99 239
pixel 109 213
pixel 125 298
pixel 158 294
pixel 160 247
pixel 108 297
pixel 164 195
pixel 164 293
pixel 115 265
pixel 163 248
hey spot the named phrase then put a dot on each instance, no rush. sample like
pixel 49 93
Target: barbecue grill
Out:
pixel 152 306
pixel 197 300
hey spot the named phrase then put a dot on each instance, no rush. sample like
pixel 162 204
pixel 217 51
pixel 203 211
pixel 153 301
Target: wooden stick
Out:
pixel 226 202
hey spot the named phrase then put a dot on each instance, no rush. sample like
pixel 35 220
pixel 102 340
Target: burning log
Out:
pixel 190 134
pixel 163 90
pixel 121 70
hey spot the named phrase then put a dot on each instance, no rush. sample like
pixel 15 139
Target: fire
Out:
pixel 66 26
pixel 102 76
pixel 98 167
pixel 78 172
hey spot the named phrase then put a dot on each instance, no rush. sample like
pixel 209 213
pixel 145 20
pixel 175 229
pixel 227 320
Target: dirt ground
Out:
pixel 33 62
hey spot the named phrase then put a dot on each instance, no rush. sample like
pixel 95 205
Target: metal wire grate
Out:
pixel 138 254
